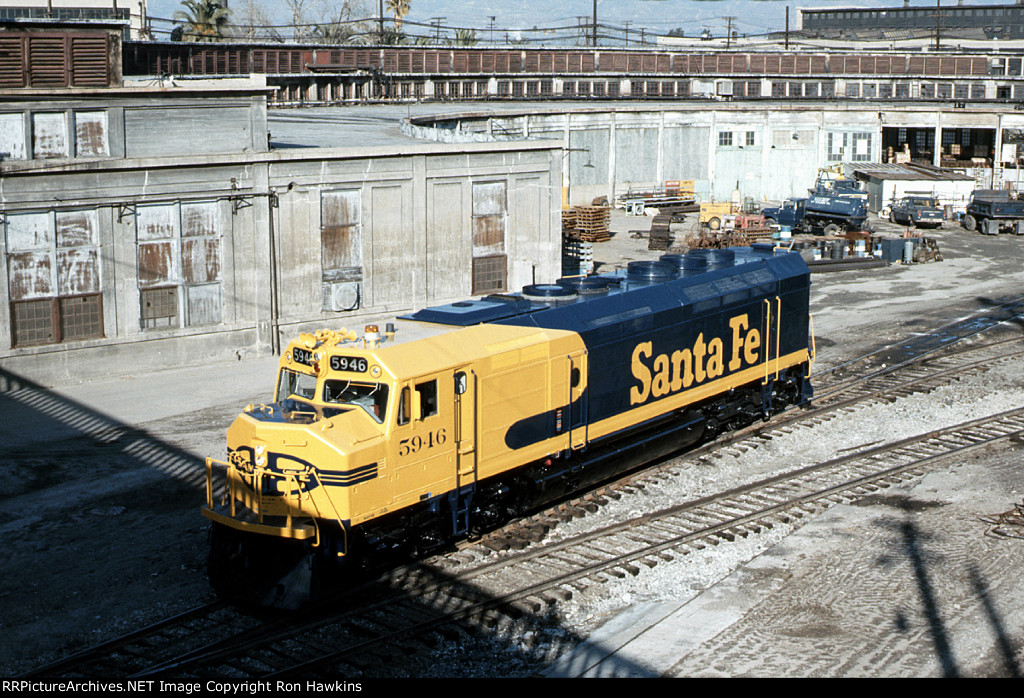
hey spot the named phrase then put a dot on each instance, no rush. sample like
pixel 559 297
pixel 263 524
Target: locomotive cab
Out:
pixel 343 443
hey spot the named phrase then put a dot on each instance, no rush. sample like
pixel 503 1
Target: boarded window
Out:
pixel 49 135
pixel 53 270
pixel 340 236
pixel 490 205
pixel 12 136
pixel 179 264
pixel 91 134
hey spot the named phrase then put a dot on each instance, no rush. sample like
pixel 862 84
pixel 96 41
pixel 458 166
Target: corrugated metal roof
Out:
pixel 890 170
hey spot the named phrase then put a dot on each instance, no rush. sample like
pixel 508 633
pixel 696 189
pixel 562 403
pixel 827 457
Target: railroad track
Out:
pixel 138 649
pixel 424 605
pixel 204 642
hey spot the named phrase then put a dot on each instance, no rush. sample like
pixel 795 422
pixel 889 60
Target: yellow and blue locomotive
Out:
pixel 473 412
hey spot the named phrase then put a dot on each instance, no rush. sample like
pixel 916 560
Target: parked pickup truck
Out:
pixel 829 213
pixel 921 211
pixel 994 210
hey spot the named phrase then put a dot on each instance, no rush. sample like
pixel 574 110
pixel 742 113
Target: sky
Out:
pixel 659 16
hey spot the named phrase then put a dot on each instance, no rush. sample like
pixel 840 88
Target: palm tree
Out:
pixel 399 8
pixel 464 37
pixel 204 20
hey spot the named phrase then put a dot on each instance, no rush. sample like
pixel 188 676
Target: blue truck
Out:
pixel 993 211
pixel 822 211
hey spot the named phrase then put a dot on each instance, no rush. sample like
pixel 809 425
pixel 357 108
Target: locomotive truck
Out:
pixel 471 413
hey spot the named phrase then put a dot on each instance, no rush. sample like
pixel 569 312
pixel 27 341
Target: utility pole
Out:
pixel 728 31
pixel 787 27
pixel 627 32
pixel 593 36
pixel 938 14
pixel 492 28
pixel 380 21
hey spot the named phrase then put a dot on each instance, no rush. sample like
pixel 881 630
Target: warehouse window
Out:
pixel 836 146
pixel 53 276
pixel 179 264
pixel 861 147
pixel 724 139
pixel 341 255
pixel 490 260
pixel 751 138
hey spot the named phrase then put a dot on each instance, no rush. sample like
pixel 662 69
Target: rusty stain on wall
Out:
pixel 489 219
pixel 91 134
pixel 200 260
pixel 30 275
pixel 341 251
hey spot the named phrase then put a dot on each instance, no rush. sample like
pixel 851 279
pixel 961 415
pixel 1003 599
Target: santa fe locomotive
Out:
pixel 477 411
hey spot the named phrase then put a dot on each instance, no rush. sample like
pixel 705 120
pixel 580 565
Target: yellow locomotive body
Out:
pixel 362 443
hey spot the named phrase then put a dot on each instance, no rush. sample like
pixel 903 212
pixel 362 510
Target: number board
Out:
pixel 354 364
pixel 302 356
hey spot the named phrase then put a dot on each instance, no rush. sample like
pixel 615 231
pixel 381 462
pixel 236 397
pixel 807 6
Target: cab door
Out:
pixel 423 447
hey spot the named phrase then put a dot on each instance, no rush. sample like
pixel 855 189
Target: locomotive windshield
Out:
pixel 372 397
pixel 295 383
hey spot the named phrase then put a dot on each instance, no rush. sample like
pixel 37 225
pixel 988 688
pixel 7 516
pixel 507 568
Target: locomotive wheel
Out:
pixel 831 229
pixel 715 223
pixel 769 222
pixel 892 217
pixel 970 222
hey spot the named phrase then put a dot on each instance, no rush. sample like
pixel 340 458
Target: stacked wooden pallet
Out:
pixel 592 223
pixel 568 222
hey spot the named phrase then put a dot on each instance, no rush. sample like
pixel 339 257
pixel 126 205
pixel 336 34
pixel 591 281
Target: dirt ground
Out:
pixel 100 514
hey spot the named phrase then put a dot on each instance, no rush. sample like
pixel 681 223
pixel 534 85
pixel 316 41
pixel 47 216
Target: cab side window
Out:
pixel 428 398
pixel 404 407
